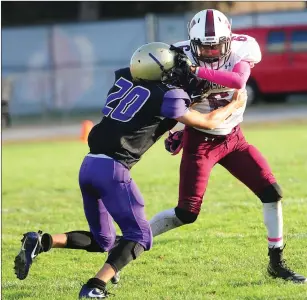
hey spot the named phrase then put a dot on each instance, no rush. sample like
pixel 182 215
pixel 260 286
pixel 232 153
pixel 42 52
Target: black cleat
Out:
pixel 31 246
pixel 277 267
pixel 92 293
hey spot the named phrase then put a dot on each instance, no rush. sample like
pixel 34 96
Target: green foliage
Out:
pixel 221 256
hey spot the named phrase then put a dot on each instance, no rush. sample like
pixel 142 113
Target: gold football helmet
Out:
pixel 151 61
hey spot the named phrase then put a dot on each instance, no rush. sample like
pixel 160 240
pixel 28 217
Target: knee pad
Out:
pixel 124 253
pixel 83 240
pixel 271 193
pixel 185 216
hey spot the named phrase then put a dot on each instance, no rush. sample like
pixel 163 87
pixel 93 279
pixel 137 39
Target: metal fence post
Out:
pixel 151 28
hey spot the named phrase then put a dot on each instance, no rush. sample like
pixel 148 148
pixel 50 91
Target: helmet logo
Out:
pixel 156 60
pixel 209 26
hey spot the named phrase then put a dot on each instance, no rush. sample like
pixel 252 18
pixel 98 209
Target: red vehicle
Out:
pixel 283 68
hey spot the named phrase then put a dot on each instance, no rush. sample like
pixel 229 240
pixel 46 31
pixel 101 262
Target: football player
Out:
pixel 225 60
pixel 145 102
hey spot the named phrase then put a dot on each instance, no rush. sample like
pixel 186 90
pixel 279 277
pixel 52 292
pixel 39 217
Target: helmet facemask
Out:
pixel 207 52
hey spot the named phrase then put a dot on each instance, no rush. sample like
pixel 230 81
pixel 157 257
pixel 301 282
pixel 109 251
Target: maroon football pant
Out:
pixel 234 153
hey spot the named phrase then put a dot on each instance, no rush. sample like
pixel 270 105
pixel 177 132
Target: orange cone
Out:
pixel 85 130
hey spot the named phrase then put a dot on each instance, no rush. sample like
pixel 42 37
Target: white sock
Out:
pixel 164 221
pixel 272 213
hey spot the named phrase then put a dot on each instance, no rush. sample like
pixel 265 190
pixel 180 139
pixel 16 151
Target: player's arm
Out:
pixel 174 106
pixel 213 119
pixel 235 79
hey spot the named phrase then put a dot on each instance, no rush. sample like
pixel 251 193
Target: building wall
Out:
pixel 71 67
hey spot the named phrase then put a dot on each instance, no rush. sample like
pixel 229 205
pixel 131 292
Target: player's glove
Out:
pixel 196 86
pixel 174 142
pixel 182 61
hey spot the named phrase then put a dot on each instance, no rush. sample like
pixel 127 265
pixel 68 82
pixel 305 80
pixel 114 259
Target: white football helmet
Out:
pixel 210 37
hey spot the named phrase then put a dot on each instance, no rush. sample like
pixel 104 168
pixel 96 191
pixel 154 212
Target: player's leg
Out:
pixel 198 158
pixel 102 229
pixel 31 246
pixel 128 213
pixel 35 243
pixel 92 181
pixel 250 167
pixel 125 204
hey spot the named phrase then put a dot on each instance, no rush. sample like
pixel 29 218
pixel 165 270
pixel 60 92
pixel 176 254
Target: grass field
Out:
pixel 221 256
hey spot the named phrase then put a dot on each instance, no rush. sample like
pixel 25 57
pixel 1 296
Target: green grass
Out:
pixel 221 256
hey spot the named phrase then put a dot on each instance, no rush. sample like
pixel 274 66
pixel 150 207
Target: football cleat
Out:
pixel 92 293
pixel 31 246
pixel 277 267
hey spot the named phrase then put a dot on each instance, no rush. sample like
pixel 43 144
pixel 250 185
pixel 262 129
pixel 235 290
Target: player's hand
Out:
pixel 184 60
pixel 174 142
pixel 181 60
pixel 239 98
pixel 184 63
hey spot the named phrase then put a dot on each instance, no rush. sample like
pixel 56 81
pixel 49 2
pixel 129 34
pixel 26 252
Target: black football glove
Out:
pixel 174 142
pixel 181 60
pixel 180 75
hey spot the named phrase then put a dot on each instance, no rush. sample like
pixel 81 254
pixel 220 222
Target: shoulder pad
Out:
pixel 124 72
pixel 247 50
pixel 185 45
pixel 182 43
